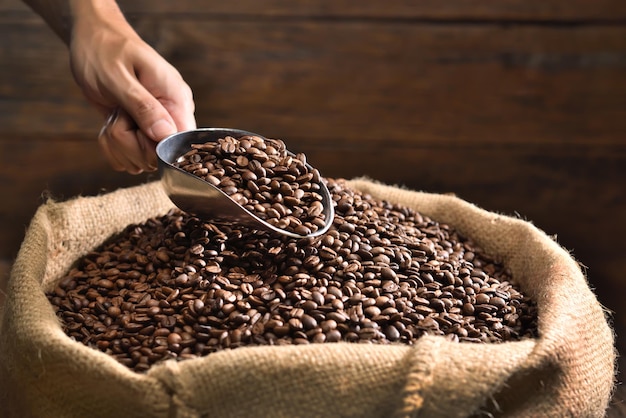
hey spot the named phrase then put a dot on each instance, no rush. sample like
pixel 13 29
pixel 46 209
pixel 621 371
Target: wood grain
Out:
pixel 548 10
pixel 403 82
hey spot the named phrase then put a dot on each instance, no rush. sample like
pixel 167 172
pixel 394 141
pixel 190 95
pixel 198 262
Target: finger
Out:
pixel 126 145
pixel 117 159
pixel 113 161
pixel 146 111
pixel 184 119
pixel 181 106
pixel 166 84
pixel 148 148
pixel 104 140
pixel 111 145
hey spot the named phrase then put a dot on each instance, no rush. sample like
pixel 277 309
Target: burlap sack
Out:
pixel 567 371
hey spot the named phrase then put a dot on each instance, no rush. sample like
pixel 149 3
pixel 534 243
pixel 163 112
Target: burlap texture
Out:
pixel 567 372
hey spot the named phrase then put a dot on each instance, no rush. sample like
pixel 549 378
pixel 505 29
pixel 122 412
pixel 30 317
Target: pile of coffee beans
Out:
pixel 262 177
pixel 179 287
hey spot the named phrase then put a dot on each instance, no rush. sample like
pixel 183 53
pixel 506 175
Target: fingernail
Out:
pixel 162 128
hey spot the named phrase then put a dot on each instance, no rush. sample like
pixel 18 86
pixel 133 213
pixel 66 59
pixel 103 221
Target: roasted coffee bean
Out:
pixel 262 178
pixel 382 274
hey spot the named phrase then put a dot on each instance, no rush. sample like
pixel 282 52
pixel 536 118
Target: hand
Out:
pixel 143 97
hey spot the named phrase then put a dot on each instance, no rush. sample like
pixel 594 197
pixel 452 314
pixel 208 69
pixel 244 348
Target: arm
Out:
pixel 122 76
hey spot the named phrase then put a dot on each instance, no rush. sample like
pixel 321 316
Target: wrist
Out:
pixel 88 16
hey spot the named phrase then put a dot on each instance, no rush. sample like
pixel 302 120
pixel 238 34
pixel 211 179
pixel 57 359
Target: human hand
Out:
pixel 143 97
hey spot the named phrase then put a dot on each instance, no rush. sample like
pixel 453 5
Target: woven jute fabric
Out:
pixel 568 371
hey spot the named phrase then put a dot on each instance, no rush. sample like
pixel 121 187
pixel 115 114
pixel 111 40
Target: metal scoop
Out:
pixel 199 197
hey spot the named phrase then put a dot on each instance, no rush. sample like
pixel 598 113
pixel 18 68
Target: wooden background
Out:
pixel 517 106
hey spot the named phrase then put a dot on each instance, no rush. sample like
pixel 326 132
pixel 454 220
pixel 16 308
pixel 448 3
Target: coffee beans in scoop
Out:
pixel 261 176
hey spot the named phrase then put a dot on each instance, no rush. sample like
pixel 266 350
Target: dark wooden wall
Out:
pixel 517 106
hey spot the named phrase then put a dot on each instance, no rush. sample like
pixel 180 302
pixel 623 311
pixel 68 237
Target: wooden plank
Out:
pixel 549 10
pixel 404 82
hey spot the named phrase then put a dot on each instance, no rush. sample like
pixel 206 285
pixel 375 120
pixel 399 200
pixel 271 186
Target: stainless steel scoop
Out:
pixel 199 197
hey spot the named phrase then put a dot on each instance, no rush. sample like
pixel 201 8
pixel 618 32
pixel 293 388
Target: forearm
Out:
pixel 63 15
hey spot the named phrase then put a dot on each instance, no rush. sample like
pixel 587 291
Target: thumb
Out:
pixel 148 113
pixel 159 129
